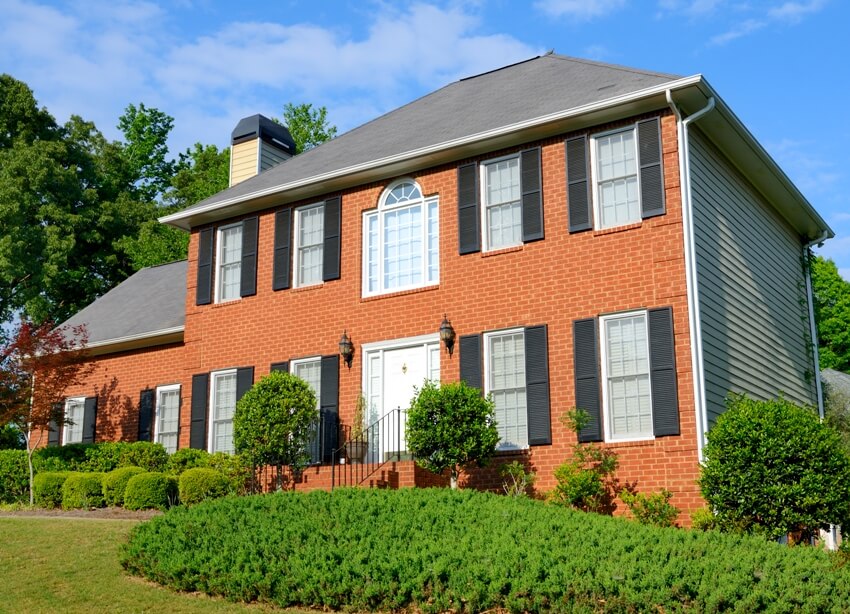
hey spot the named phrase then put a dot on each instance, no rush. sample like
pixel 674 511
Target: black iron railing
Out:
pixel 361 456
pixel 326 438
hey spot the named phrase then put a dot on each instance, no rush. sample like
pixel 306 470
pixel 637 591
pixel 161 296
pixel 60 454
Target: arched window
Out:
pixel 401 240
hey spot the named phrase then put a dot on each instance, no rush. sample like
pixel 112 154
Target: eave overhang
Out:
pixel 165 336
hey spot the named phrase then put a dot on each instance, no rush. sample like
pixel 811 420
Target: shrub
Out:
pixel 186 458
pixel 14 476
pixel 47 488
pixel 152 490
pixel 275 422
pixel 516 481
pixel 771 467
pixel 234 468
pixel 200 483
pixel 70 457
pixel 450 427
pixel 437 550
pixel 653 508
pixel 145 454
pixel 703 519
pixel 115 482
pixel 82 490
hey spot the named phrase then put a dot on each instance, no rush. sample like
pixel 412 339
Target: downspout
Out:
pixel 691 264
pixel 813 329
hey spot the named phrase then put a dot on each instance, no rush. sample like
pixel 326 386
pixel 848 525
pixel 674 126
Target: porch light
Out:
pixel 346 349
pixel 447 334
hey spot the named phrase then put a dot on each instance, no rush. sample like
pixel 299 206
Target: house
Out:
pixel 596 236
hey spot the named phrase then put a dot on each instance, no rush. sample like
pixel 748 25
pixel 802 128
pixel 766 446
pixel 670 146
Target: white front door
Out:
pixel 394 372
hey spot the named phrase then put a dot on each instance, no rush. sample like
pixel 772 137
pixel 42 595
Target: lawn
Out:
pixel 71 565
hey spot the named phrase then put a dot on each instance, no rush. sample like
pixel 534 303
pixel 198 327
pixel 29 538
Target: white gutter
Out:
pixel 439 147
pixel 130 338
pixel 691 281
pixel 813 329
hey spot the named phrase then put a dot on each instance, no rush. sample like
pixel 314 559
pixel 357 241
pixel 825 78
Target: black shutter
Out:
pixel 145 414
pixel 203 291
pixel 200 396
pixel 54 432
pixel 470 360
pixel 329 405
pixel 468 222
pixel 662 368
pixel 282 244
pixel 248 270
pixel 585 356
pixel 331 248
pixel 244 381
pixel 651 176
pixel 89 419
pixel 578 185
pixel 537 386
pixel 532 199
pixel 280 366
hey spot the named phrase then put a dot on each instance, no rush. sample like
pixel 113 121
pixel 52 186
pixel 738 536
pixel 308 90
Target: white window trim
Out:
pixel 425 203
pixel 211 404
pixel 301 361
pixel 482 189
pixel 594 174
pixel 218 246
pixel 603 359
pixel 65 427
pixel 296 257
pixel 160 389
pixel 500 447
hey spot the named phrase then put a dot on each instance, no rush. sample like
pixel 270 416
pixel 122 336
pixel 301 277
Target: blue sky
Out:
pixel 781 65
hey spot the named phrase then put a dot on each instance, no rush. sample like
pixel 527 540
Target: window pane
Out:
pixel 616 176
pixel 167 417
pixel 629 401
pixel 230 262
pixel 402 247
pixel 74 411
pixel 504 212
pixel 507 385
pixel 311 372
pixel 224 405
pixel 311 224
pixel 433 243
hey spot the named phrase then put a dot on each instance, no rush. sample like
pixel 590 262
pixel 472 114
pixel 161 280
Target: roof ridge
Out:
pixel 487 72
pixel 569 58
pixel 161 264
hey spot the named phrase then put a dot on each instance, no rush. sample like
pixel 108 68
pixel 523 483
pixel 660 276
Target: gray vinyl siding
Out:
pixel 751 288
pixel 270 156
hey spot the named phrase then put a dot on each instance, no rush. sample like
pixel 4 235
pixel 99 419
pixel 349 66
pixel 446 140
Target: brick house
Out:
pixel 597 236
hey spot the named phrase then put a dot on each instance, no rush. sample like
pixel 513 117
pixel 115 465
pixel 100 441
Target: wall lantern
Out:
pixel 447 334
pixel 346 349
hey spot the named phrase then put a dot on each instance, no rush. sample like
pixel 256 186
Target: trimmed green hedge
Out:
pixel 47 488
pixel 200 483
pixel 14 476
pixel 82 490
pixel 115 482
pixel 151 490
pixel 104 456
pixel 437 550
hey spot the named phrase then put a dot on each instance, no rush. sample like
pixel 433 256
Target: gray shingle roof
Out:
pixel 504 97
pixel 149 301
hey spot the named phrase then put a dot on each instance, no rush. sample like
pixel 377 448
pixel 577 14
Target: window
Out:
pixel 505 380
pixel 401 241
pixel 626 376
pixel 310 370
pixel 167 416
pixel 223 404
pixel 502 207
pixel 616 189
pixel 309 238
pixel 74 412
pixel 229 262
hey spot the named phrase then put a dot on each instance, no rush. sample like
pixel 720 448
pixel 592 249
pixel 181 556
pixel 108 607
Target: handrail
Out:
pixel 362 457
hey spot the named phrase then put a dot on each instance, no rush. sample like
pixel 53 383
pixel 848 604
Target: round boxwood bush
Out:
pixel 115 482
pixel 187 458
pixel 82 490
pixel 771 467
pixel 152 490
pixel 47 488
pixel 201 483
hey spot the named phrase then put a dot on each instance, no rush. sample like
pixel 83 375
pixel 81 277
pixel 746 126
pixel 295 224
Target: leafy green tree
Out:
pixel 308 126
pixel 11 438
pixel 275 422
pixel 771 467
pixel 145 149
pixel 451 427
pixel 832 314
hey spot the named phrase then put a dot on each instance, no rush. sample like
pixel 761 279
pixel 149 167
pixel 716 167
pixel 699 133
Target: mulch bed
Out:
pixel 107 513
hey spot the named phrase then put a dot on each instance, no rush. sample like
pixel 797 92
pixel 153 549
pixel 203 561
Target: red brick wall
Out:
pixel 554 281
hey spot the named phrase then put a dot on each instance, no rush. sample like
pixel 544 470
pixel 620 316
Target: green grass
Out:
pixel 71 565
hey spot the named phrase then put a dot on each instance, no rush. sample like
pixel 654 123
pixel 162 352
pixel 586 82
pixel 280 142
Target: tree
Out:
pixel 771 467
pixel 308 126
pixel 451 427
pixel 832 314
pixel 37 366
pixel 275 422
pixel 145 149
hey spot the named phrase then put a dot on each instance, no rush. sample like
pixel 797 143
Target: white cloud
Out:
pixel 795 11
pixel 786 13
pixel 748 26
pixel 579 9
pixel 693 8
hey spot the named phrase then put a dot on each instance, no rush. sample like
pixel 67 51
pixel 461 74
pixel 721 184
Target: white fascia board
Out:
pixel 179 219
pixel 140 340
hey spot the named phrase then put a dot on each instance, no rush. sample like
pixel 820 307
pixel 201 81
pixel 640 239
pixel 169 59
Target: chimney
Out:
pixel 257 144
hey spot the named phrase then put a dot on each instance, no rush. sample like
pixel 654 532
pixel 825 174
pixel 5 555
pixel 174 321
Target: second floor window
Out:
pixel 401 241
pixel 309 234
pixel 502 207
pixel 229 262
pixel 617 196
